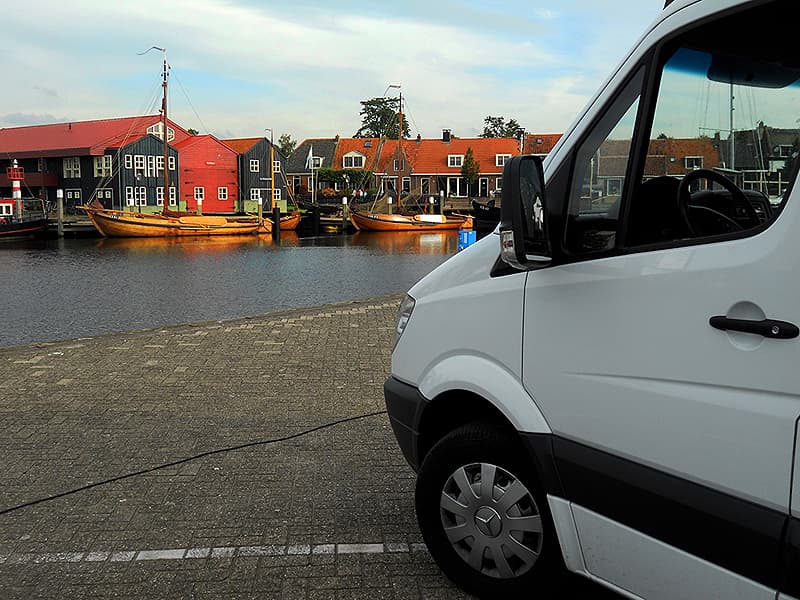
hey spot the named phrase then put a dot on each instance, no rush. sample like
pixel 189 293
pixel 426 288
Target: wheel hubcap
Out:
pixel 491 520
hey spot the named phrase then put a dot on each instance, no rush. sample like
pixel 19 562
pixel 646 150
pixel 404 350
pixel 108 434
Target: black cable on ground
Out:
pixel 189 459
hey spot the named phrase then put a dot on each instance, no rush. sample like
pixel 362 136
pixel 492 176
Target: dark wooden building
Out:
pixel 255 173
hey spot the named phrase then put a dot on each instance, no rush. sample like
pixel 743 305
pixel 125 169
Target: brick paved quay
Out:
pixel 323 515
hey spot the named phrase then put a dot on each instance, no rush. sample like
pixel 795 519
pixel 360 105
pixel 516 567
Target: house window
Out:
pixel 160 196
pixel 255 194
pixel 456 186
pixel 310 182
pixel 455 160
pixel 151 166
pixel 173 196
pixel 199 193
pixel 222 193
pixel 316 162
pixel 254 166
pixel 500 159
pixel 276 193
pixel 276 166
pixel 41 165
pixel 693 162
pixel 171 163
pixel 73 196
pixel 72 168
pixel 355 161
pixel 498 184
pixel 140 196
pixel 129 196
pixel 160 163
pixel 157 130
pixel 102 166
pixel 104 193
pixel 138 163
pixel 785 150
pixel 407 184
pixel 128 161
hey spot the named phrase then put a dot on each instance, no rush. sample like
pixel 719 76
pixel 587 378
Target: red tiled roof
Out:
pixel 431 156
pixel 369 147
pixel 80 138
pixel 194 139
pixel 242 145
pixel 540 143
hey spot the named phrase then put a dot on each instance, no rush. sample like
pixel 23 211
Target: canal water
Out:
pixel 60 289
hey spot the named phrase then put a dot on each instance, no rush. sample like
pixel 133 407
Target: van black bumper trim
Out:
pixel 735 534
pixel 404 404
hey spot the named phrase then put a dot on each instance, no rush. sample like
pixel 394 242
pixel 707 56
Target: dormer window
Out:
pixel 157 130
pixel 501 159
pixel 353 160
pixel 455 160
pixel 368 144
pixel 399 164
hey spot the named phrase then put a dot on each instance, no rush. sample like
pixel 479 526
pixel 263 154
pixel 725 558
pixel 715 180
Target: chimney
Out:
pixel 446 136
pixel 419 138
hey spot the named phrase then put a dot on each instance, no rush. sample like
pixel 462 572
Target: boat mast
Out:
pixel 164 131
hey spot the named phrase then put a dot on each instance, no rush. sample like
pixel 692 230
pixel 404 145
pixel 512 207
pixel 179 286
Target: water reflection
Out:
pixel 59 289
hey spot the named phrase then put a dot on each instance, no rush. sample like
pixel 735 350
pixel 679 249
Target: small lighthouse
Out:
pixel 16 174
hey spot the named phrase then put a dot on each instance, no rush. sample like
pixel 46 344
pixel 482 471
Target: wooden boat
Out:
pixel 394 222
pixel 291 221
pixel 119 223
pixel 487 216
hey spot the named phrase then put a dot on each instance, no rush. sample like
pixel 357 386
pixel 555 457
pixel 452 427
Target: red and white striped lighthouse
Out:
pixel 16 174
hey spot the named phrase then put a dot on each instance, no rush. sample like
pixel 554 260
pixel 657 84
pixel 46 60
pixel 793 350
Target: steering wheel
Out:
pixel 737 195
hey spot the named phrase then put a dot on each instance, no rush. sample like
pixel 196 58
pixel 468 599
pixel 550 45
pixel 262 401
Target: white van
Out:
pixel 611 383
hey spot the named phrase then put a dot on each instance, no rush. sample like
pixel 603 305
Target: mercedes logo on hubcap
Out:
pixel 488 521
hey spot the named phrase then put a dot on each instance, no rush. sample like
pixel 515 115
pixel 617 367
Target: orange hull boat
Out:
pixel 380 222
pixel 119 223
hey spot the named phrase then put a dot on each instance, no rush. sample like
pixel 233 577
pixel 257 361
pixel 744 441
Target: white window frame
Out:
pixel 199 193
pixel 102 166
pixel 150 171
pixel 222 193
pixel 276 166
pixel 128 161
pixel 73 194
pixel 353 159
pixel 159 163
pixel 139 163
pixel 160 195
pixel 72 167
pixel 173 196
pixel 171 163
pixel 140 196
pixel 255 194
pixel 686 160
pixel 276 193
pixel 501 159
pixel 255 165
pixel 104 193
pixel 129 198
pixel 406 185
pixel 455 160
pixel 316 162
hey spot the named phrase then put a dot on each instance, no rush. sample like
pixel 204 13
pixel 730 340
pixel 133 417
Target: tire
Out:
pixel 493 542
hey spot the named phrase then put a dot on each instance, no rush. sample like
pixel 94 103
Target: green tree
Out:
pixel 471 168
pixel 379 117
pixel 494 127
pixel 286 144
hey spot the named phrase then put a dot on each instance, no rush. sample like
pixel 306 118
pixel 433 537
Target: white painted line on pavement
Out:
pixel 209 553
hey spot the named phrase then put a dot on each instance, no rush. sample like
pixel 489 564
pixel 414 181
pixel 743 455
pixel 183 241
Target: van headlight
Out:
pixel 403 316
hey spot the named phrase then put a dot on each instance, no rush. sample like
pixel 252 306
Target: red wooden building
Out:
pixel 208 173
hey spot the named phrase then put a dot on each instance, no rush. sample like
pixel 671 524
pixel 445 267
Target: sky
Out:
pixel 240 68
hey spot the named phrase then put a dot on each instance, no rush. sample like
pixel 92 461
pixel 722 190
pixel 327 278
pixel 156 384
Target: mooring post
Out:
pixel 315 219
pixel 60 213
pixel 344 214
pixel 276 223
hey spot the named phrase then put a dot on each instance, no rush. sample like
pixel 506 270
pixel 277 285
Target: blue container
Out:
pixel 466 239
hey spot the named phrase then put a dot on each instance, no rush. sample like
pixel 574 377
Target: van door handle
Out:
pixel 769 328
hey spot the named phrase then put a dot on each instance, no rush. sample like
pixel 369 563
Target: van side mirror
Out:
pixel 523 223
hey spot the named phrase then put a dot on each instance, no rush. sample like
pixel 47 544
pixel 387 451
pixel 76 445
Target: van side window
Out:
pixel 601 165
pixel 723 147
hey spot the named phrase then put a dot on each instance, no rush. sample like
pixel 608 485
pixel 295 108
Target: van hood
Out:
pixel 468 266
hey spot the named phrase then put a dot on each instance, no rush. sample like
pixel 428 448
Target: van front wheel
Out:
pixel 483 516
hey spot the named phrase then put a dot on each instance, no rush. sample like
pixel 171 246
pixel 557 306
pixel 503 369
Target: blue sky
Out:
pixel 303 67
